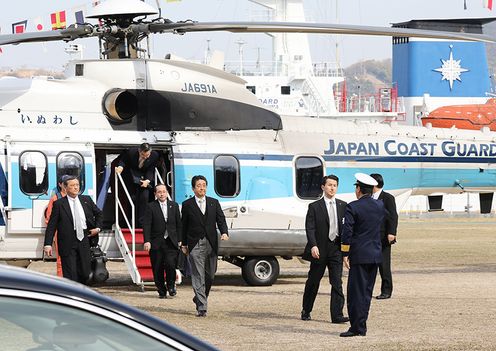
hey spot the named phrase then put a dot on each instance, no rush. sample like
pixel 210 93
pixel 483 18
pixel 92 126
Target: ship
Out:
pixel 453 72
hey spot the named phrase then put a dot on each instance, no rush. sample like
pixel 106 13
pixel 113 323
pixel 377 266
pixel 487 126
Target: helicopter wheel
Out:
pixel 260 271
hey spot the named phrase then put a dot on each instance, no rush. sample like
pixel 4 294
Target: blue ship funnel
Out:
pixel 441 69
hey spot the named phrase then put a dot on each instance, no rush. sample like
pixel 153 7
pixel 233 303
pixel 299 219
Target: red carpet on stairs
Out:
pixel 142 258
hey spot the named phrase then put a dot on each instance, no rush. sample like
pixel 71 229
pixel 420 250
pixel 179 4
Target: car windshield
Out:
pixel 39 325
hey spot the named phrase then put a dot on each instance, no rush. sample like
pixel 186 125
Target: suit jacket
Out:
pixel 129 160
pixel 154 224
pixel 390 224
pixel 361 230
pixel 317 229
pixel 196 225
pixel 61 220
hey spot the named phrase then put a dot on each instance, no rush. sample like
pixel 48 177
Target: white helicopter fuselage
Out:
pixel 87 82
pixel 264 178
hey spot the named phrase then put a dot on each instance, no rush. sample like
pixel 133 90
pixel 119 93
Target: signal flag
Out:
pixel 79 17
pixel 58 20
pixel 38 24
pixel 19 27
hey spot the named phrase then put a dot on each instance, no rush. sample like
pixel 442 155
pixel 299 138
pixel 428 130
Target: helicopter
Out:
pixel 264 168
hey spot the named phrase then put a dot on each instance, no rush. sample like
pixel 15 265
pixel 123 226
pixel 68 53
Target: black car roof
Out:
pixel 26 280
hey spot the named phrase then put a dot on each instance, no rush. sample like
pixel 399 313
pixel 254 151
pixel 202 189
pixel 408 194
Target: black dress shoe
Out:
pixel 350 333
pixel 383 296
pixel 340 320
pixel 172 292
pixel 305 316
pixel 162 295
pixel 201 313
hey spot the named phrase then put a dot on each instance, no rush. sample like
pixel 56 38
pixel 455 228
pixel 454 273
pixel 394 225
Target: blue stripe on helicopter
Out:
pixel 258 183
pixel 22 200
pixel 384 159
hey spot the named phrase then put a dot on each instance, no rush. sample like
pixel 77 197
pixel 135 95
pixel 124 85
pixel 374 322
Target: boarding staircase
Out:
pixel 317 104
pixel 141 257
pixel 130 239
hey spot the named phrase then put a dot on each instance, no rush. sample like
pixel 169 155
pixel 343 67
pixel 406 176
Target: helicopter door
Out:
pixel 33 170
pixel 3 192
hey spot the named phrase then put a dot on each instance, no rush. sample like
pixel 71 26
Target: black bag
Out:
pixel 181 260
pixel 99 272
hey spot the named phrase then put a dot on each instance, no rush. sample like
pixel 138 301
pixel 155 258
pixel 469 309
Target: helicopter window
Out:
pixel 285 90
pixel 71 163
pixel 252 88
pixel 226 176
pixel 33 173
pixel 309 173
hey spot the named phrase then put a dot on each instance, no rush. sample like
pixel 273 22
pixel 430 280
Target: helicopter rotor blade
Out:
pixel 317 28
pixel 68 34
pixel 86 30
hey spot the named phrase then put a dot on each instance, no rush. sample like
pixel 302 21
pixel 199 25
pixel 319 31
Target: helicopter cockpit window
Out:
pixel 309 172
pixel 226 176
pixel 33 173
pixel 71 163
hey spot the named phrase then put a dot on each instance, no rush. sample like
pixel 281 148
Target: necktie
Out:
pixel 202 205
pixel 333 228
pixel 164 212
pixel 77 222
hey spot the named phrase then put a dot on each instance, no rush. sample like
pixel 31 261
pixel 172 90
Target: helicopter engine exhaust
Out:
pixel 120 106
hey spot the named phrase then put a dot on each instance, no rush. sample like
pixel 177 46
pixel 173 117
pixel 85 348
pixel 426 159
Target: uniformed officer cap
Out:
pixel 64 177
pixel 365 180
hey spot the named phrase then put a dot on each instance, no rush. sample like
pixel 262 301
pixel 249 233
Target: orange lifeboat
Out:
pixel 473 116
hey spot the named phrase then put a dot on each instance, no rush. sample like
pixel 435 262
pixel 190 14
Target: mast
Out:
pixel 291 51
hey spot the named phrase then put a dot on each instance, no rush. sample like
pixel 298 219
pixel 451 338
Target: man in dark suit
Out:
pixel 76 219
pixel 388 236
pixel 361 247
pixel 138 165
pixel 200 216
pixel 162 231
pixel 323 226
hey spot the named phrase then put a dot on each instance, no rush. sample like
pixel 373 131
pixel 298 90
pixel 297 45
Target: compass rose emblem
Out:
pixel 451 69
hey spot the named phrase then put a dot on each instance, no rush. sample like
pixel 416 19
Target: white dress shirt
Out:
pixel 163 206
pixel 333 223
pixel 377 194
pixel 75 205
pixel 202 203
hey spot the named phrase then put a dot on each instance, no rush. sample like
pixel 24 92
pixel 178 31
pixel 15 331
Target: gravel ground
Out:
pixel 444 298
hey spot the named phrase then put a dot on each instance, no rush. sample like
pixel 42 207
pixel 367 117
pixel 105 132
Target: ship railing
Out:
pixel 277 68
pixel 371 103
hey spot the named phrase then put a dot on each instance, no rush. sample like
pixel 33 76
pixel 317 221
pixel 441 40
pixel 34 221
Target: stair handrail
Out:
pixel 118 205
pixel 160 180
pixel 158 177
pixel 317 97
pixel 4 215
pixel 314 104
